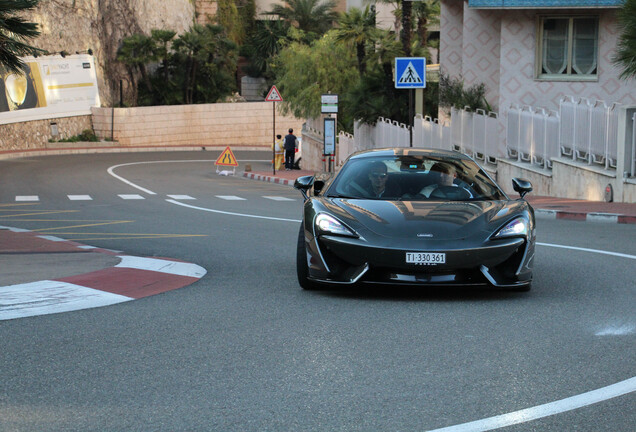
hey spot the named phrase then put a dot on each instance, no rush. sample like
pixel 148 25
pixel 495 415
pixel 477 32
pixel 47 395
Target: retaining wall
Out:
pixel 245 124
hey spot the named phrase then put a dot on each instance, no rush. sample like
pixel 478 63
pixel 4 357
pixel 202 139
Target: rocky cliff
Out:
pixel 77 25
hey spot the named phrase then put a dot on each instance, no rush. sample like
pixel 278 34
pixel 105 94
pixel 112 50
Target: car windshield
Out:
pixel 414 178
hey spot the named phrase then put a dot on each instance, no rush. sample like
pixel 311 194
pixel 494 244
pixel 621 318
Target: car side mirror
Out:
pixel 303 184
pixel 522 186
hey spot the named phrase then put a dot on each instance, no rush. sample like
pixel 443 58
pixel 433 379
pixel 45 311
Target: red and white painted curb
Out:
pixel 270 179
pixel 585 216
pixel 133 278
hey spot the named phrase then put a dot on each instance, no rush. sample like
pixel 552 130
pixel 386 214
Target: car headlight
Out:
pixel 515 228
pixel 326 224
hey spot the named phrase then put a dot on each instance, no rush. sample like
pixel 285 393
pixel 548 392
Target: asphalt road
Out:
pixel 245 349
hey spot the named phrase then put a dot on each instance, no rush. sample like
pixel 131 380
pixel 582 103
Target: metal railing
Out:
pixel 475 134
pixel 633 171
pixel 430 133
pixel 589 131
pixel 532 135
pixel 582 129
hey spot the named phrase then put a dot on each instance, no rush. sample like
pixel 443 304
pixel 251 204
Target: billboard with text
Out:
pixel 50 87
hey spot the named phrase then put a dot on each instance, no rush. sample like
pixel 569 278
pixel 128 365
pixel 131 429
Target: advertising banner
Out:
pixel 50 87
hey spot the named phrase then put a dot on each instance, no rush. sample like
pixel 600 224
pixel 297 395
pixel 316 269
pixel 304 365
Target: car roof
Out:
pixel 408 151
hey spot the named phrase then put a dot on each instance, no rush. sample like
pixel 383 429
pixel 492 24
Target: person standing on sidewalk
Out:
pixel 279 151
pixel 291 143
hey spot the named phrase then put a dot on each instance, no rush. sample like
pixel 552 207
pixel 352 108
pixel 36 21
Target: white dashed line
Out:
pixel 131 197
pixel 230 197
pixel 278 198
pixel 181 197
pixel 80 197
pixel 23 198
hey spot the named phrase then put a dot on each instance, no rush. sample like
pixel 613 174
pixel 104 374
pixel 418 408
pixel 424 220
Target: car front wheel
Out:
pixel 301 262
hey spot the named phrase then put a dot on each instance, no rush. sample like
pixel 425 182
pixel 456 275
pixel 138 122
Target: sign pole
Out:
pixel 410 73
pixel 273 96
pixel 411 117
pixel 274 137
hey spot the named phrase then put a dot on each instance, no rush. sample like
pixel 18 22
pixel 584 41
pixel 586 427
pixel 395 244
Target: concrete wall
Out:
pixel 567 180
pixel 246 124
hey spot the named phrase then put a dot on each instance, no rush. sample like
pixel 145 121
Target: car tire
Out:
pixel 302 270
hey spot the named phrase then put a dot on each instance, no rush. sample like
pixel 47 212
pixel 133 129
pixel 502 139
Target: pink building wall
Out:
pixel 497 47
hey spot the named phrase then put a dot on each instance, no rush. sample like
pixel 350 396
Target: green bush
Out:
pixel 86 135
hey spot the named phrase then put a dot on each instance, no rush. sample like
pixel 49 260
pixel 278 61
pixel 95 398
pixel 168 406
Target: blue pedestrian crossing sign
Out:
pixel 410 72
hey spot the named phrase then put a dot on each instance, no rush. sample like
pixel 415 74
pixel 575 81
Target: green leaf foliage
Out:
pixel 15 32
pixel 626 50
pixel 198 66
pixel 305 72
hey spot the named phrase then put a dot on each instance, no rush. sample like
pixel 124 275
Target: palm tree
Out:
pixel 405 32
pixel 427 13
pixel 316 16
pixel 626 49
pixel 15 32
pixel 357 27
pixel 137 51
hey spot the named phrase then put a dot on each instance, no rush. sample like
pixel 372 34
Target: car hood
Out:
pixel 439 220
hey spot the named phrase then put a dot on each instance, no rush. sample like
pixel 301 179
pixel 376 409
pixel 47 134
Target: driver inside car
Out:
pixel 443 175
pixel 375 183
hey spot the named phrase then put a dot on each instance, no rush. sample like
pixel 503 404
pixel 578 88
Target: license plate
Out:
pixel 425 258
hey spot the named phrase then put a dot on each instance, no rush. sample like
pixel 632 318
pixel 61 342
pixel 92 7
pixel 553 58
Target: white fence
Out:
pixel 475 134
pixel 589 131
pixel 532 135
pixel 582 129
pixel 430 133
pixel 633 171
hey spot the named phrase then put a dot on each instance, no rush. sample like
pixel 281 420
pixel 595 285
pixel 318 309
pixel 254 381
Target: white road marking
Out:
pixel 181 197
pixel 230 197
pixel 111 170
pixel 232 213
pixel 23 198
pixel 131 197
pixel 545 410
pixel 52 238
pixel 162 266
pixel 278 198
pixel 616 254
pixel 80 197
pixel 47 297
pixel 619 330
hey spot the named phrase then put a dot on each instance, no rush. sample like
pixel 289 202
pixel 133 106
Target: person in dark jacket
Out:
pixel 291 143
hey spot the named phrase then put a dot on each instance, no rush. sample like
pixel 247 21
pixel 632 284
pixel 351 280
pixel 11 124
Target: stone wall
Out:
pixel 35 135
pixel 223 124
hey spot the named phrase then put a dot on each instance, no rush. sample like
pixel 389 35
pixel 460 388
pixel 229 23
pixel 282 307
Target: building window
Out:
pixel 568 48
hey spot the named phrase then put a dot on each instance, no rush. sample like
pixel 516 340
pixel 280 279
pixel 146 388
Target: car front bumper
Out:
pixel 505 263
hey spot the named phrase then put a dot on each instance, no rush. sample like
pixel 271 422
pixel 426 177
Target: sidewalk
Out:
pixel 545 207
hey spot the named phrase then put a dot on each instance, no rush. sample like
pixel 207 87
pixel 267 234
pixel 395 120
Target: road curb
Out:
pixel 133 278
pixel 585 216
pixel 270 179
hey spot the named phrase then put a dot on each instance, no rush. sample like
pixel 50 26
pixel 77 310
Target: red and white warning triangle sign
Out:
pixel 227 158
pixel 274 95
